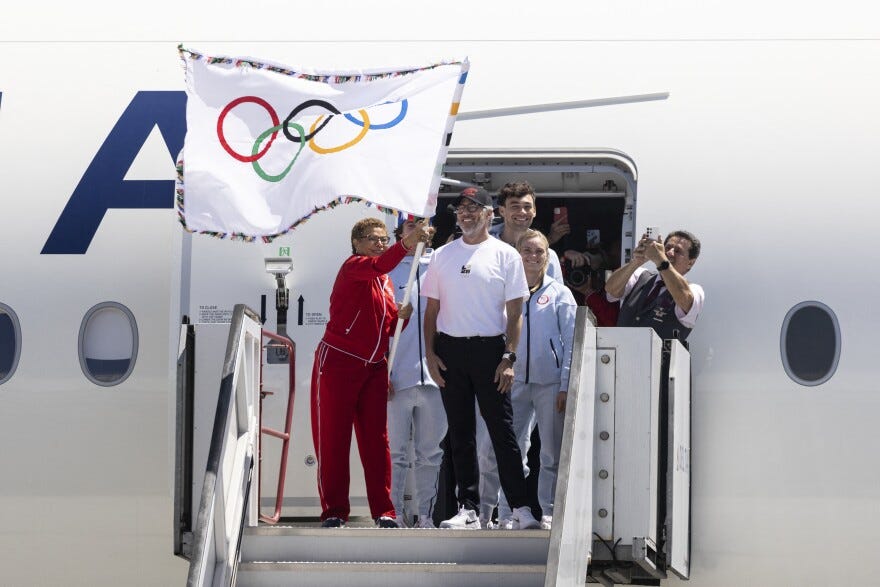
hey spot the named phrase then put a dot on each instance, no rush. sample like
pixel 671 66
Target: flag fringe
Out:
pixel 328 78
pixel 238 236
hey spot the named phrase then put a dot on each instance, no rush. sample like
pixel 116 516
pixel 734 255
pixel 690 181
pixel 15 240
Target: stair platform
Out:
pixel 305 554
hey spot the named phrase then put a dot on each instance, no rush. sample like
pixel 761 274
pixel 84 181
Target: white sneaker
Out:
pixel 505 524
pixel 465 519
pixel 386 522
pixel 425 522
pixel 524 520
pixel 546 522
pixel 488 524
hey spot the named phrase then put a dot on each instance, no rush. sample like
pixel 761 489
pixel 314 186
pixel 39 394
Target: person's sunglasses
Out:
pixel 377 239
pixel 469 208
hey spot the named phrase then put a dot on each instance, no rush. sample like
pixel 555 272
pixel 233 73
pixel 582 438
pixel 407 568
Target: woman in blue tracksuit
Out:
pixel 543 361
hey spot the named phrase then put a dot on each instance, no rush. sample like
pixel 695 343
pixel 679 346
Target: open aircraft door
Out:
pixel 213 275
pixel 641 458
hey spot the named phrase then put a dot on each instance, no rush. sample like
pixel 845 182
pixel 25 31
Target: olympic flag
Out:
pixel 268 145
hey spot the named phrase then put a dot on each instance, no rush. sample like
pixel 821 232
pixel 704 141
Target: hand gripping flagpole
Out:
pixel 406 294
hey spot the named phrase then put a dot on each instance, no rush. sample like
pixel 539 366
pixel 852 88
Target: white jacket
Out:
pixel 410 368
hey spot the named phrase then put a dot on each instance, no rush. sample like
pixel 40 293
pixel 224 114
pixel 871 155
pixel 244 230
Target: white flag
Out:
pixel 268 145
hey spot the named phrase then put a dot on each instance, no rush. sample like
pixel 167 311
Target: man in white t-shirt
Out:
pixel 663 300
pixel 475 288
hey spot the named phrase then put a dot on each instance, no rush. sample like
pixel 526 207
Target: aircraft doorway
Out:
pixel 217 274
pixel 594 189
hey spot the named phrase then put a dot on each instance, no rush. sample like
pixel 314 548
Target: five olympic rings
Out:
pixel 288 127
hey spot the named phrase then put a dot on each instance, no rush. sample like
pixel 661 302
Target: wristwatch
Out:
pixel 510 356
pixel 662 266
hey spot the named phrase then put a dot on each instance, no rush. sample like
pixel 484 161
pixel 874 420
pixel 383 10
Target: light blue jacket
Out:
pixel 545 342
pixel 410 368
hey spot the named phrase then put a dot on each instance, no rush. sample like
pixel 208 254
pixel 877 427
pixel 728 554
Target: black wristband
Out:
pixel 663 266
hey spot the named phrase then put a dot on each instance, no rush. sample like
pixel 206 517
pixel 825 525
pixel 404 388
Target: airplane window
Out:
pixel 108 343
pixel 810 343
pixel 10 342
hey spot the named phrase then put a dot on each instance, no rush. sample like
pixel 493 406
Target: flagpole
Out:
pixel 406 294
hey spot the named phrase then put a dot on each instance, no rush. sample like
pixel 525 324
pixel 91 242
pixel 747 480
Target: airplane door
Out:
pixel 215 274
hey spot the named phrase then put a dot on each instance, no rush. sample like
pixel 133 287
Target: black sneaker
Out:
pixel 333 523
pixel 386 522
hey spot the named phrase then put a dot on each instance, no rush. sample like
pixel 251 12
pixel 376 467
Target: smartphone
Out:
pixel 560 213
pixel 653 232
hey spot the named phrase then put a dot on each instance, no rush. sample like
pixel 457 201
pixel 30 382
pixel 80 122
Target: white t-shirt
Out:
pixel 689 319
pixel 472 283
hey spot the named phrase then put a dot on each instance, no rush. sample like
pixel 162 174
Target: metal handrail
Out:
pixel 183 469
pixel 225 504
pixel 571 536
pixel 288 423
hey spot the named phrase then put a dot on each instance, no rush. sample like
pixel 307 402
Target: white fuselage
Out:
pixel 766 149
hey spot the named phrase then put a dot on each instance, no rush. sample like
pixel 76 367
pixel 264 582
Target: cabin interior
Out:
pixel 596 190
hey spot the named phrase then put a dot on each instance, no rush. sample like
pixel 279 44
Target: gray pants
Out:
pixel 416 414
pixel 533 403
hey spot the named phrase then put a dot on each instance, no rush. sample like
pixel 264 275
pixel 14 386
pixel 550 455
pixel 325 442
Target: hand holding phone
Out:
pixel 560 226
pixel 560 213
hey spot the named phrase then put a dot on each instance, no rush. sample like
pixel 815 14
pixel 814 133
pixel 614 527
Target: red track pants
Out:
pixel 347 391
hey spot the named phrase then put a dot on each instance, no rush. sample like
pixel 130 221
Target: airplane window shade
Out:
pixel 108 343
pixel 10 343
pixel 810 343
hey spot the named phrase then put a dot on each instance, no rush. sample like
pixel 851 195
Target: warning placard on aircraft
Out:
pixel 213 314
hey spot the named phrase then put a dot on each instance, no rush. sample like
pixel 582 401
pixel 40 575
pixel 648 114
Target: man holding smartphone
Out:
pixel 663 300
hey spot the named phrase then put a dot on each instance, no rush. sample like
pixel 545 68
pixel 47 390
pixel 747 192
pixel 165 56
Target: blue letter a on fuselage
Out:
pixel 103 185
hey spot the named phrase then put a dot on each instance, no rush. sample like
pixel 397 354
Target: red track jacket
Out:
pixel 363 312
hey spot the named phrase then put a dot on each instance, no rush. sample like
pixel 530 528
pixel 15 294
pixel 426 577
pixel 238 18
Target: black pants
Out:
pixel 470 370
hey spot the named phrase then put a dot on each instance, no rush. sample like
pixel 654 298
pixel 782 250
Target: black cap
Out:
pixel 475 195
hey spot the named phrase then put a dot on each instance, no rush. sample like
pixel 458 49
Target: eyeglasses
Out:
pixel 469 208
pixel 377 239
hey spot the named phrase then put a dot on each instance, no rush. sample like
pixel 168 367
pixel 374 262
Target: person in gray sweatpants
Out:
pixel 540 383
pixel 415 408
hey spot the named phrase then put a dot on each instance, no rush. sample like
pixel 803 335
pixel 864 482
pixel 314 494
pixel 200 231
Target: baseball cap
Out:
pixel 475 195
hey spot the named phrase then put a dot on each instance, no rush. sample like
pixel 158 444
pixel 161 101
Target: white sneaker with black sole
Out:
pixel 465 519
pixel 524 520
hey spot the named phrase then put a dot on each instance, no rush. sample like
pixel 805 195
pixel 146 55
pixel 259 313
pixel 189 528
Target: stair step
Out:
pixel 364 545
pixel 389 574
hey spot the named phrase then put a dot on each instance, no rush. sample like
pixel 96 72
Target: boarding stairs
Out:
pixel 272 556
pixel 608 527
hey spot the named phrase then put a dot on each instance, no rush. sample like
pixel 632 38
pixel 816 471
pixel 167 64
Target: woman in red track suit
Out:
pixel 350 373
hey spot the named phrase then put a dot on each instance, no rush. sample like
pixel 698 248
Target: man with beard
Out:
pixel 475 288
